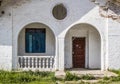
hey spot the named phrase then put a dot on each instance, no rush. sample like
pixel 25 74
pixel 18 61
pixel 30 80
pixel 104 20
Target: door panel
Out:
pixel 78 49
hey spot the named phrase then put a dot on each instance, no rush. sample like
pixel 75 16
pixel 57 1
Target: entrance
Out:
pixel 78 49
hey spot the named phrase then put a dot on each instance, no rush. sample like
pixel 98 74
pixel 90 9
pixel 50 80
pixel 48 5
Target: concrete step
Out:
pixel 60 74
pixel 95 73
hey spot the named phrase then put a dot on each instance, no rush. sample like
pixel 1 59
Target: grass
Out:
pixel 87 77
pixel 37 77
pixel 26 77
pixel 111 80
pixel 116 71
pixel 30 77
pixel 71 77
pixel 104 80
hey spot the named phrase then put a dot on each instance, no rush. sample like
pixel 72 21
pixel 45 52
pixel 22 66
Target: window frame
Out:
pixel 35 29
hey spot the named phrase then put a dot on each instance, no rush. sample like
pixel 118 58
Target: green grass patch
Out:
pixel 30 77
pixel 87 77
pixel 25 77
pixel 115 71
pixel 70 77
pixel 113 79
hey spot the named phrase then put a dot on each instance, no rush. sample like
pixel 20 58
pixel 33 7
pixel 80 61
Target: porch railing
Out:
pixel 36 62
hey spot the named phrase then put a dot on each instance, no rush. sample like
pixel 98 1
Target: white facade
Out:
pixel 82 20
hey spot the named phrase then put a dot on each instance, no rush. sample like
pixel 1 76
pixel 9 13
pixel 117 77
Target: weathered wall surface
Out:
pixel 6 40
pixel 40 11
pixel 114 44
pixel 112 14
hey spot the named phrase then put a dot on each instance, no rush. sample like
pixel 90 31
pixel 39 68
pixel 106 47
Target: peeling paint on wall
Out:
pixel 111 10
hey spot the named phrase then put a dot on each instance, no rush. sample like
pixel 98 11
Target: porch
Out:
pixel 39 48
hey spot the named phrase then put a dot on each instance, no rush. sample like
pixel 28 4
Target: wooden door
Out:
pixel 78 51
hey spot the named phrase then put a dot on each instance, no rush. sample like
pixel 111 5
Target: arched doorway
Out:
pixel 36 47
pixel 83 47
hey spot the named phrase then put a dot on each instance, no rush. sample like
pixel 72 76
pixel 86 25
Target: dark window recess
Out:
pixel 35 40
